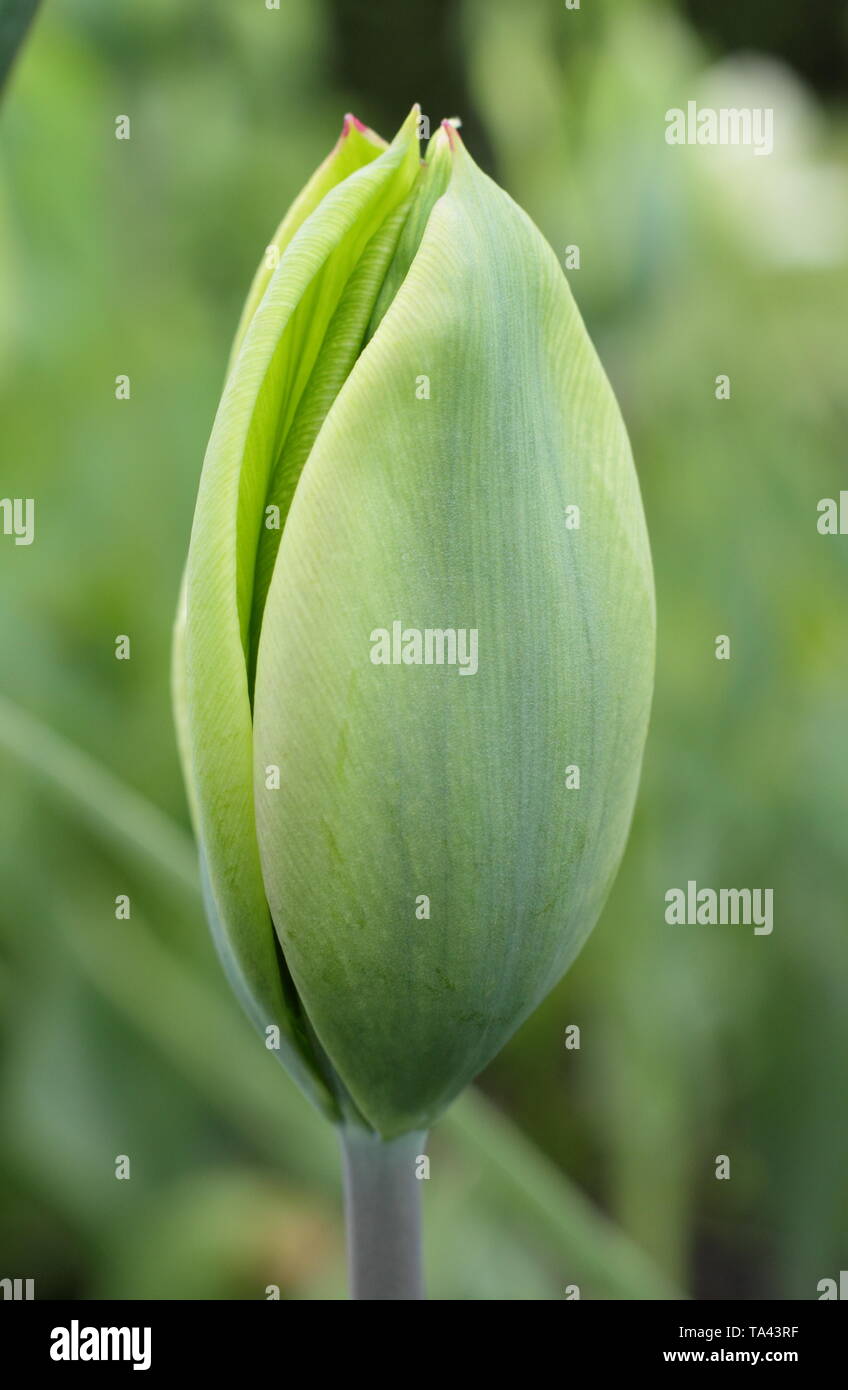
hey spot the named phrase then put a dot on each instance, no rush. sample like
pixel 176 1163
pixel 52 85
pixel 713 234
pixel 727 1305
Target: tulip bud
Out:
pixel 415 656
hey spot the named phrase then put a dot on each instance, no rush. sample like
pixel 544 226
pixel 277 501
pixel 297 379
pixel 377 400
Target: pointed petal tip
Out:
pixel 352 124
pixel 449 130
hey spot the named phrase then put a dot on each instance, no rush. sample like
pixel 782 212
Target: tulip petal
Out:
pixel 430 867
pixel 343 341
pixel 264 389
pixel 355 147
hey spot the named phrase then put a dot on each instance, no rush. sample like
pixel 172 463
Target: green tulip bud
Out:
pixel 415 654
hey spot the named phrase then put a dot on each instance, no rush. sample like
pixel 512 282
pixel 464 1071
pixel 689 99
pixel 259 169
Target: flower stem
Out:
pixel 383 1214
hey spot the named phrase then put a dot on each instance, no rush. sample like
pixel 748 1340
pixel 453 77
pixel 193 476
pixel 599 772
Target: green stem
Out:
pixel 383 1214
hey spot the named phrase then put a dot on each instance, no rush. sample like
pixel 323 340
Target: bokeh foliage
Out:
pixel 120 1037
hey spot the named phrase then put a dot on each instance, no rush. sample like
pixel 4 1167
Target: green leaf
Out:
pixel 15 18
pixel 408 780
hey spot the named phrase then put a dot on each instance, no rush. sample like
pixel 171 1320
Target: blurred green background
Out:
pixel 592 1167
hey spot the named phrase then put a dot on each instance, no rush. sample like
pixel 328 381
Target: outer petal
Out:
pixel 261 400
pixel 408 780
